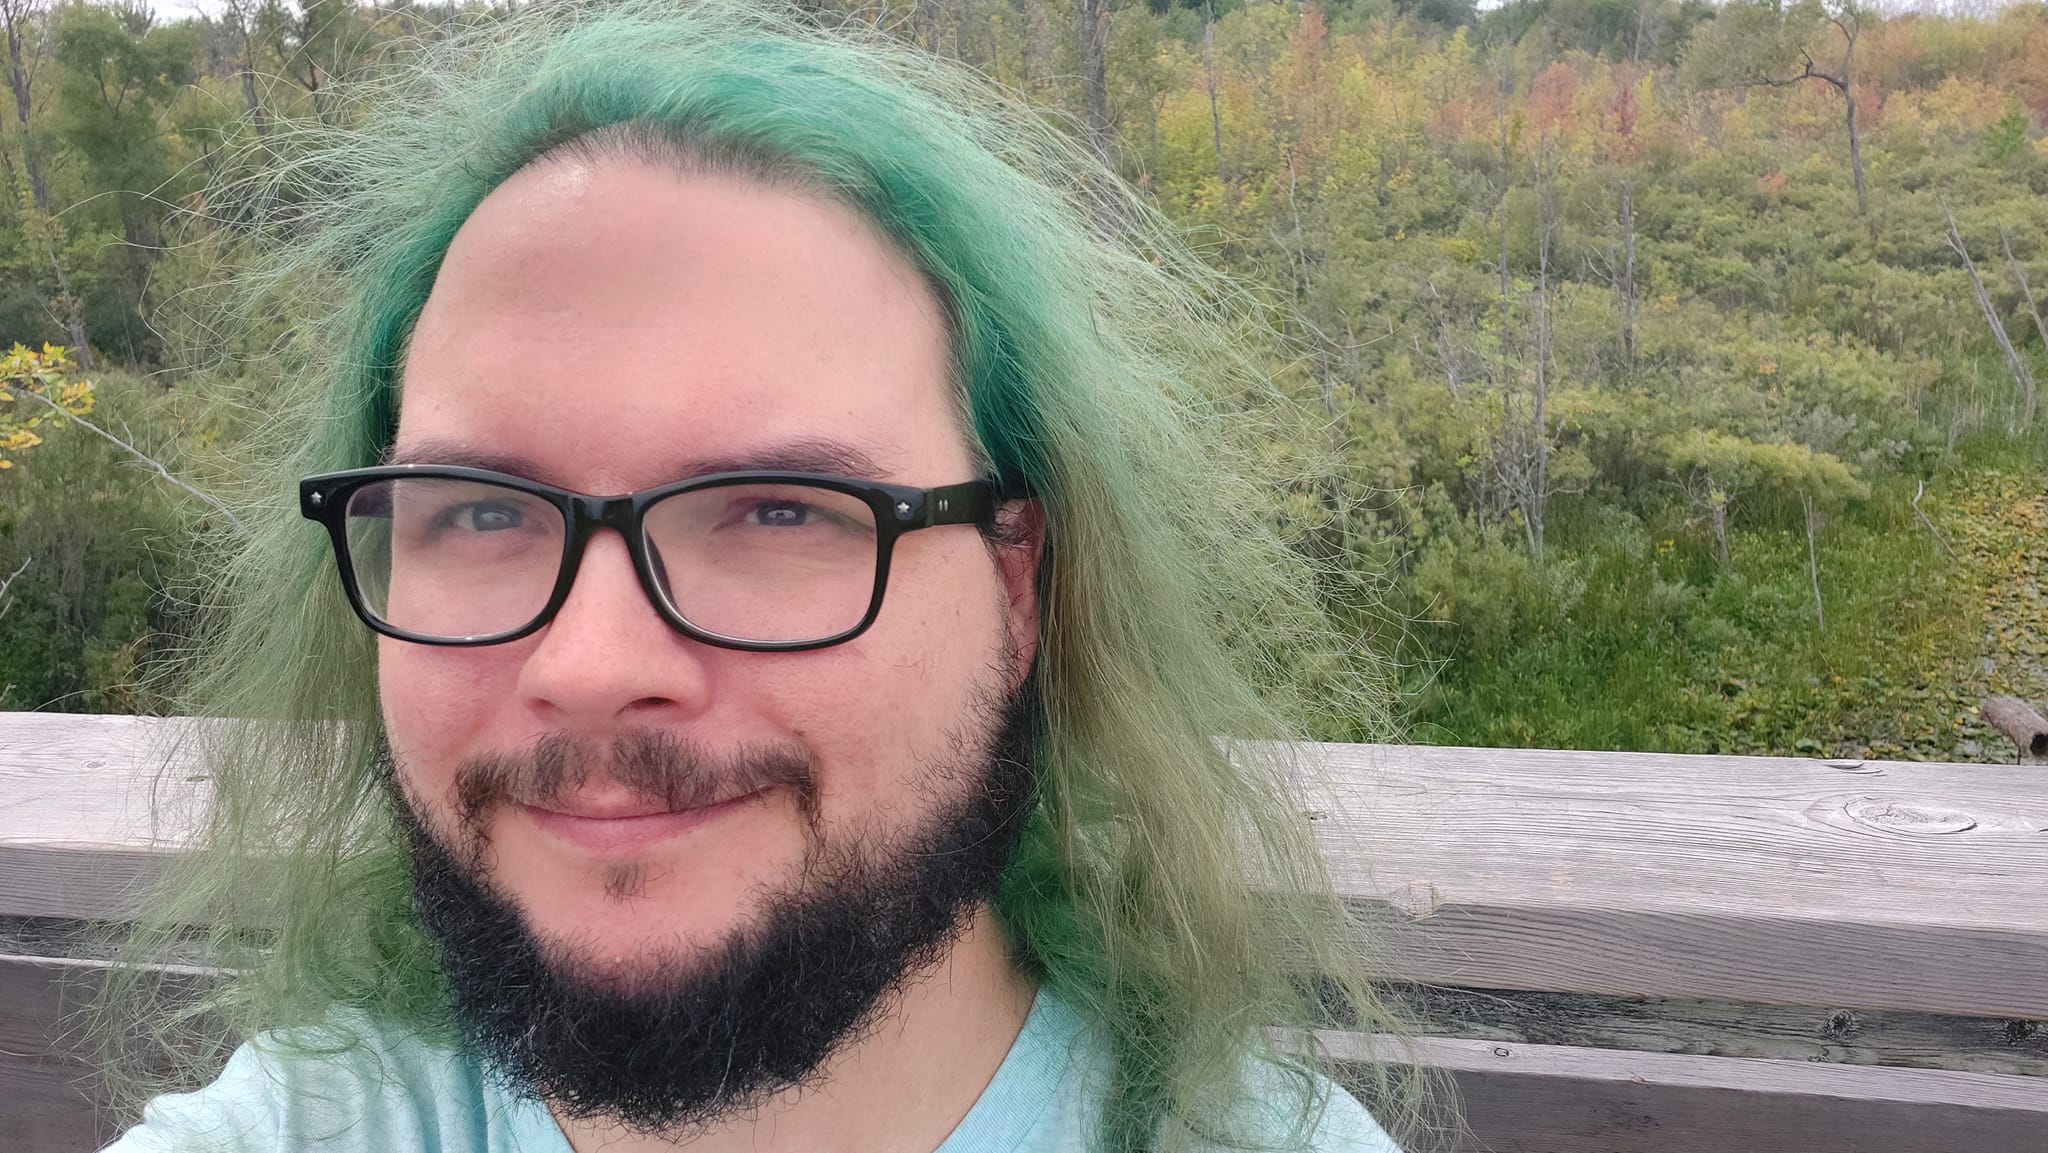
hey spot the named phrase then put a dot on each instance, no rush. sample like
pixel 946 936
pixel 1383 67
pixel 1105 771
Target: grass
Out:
pixel 1637 637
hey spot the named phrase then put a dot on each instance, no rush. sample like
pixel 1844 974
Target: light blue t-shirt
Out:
pixel 397 1094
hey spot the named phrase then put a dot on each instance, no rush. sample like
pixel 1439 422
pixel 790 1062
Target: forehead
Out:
pixel 610 326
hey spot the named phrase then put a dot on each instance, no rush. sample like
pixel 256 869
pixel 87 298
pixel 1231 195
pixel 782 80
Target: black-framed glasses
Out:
pixel 764 561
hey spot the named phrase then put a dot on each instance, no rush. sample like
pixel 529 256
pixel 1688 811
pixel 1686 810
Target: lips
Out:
pixel 625 826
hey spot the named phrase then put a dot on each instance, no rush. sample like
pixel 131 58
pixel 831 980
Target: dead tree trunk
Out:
pixel 2019 273
pixel 1539 417
pixel 1038 52
pixel 1851 26
pixel 2022 378
pixel 1855 145
pixel 1507 87
pixel 238 20
pixel 1095 76
pixel 1501 202
pixel 1212 82
pixel 1717 521
pixel 17 79
pixel 1304 285
pixel 2026 728
pixel 45 223
pixel 1446 352
pixel 1627 283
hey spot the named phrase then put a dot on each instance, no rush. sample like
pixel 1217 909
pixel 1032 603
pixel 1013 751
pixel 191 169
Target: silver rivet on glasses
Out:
pixel 316 500
pixel 902 509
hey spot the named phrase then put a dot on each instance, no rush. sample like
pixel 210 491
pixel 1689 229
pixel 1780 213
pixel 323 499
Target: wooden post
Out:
pixel 2019 722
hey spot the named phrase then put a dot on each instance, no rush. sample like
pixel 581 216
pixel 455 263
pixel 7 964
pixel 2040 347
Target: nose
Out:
pixel 608 656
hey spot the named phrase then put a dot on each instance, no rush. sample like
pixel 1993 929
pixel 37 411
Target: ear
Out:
pixel 1018 545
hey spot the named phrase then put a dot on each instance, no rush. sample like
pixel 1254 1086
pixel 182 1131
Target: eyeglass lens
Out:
pixel 757 562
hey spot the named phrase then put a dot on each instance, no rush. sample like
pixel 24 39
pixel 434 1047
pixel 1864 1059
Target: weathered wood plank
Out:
pixel 1864 886
pixel 51 1094
pixel 1731 1029
pixel 1517 1098
pixel 1861 885
pixel 46 1078
pixel 86 815
pixel 1556 1099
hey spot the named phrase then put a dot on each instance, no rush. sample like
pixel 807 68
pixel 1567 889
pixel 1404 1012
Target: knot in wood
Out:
pixel 1840 1024
pixel 2019 1032
pixel 1416 900
pixel 1894 816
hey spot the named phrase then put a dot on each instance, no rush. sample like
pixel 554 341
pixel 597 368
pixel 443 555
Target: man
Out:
pixel 803 600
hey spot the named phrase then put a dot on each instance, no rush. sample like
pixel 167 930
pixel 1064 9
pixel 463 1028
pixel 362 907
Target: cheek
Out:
pixel 881 712
pixel 437 702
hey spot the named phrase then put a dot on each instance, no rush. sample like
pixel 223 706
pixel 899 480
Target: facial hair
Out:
pixel 699 1038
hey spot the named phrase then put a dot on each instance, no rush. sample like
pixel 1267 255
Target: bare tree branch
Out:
pixel 5 603
pixel 138 454
pixel 2019 273
pixel 1936 533
pixel 2020 374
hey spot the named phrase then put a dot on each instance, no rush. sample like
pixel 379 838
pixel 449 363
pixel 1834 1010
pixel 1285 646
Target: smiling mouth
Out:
pixel 630 831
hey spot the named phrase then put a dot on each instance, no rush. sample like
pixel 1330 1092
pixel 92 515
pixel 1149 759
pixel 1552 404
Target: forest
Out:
pixel 1677 362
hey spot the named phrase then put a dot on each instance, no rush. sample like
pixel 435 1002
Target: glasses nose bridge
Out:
pixel 590 513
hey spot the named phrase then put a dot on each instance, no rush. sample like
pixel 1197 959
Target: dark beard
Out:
pixel 720 1033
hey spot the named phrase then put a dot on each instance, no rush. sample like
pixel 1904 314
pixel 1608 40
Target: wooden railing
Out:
pixel 1614 952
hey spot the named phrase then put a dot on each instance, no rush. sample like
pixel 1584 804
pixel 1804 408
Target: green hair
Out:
pixel 1167 886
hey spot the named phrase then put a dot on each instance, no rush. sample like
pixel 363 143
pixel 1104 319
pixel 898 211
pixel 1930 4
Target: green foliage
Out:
pixel 2008 137
pixel 36 392
pixel 1422 208
pixel 1649 641
pixel 1786 471
pixel 93 544
pixel 1366 163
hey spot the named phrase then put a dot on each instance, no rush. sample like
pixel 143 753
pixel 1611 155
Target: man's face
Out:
pixel 610 327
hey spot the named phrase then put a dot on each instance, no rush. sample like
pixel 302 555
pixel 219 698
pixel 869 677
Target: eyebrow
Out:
pixel 802 454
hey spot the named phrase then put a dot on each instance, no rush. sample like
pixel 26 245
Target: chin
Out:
pixel 639 967
pixel 641 921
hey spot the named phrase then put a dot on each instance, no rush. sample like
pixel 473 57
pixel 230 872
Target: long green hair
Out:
pixel 1167 886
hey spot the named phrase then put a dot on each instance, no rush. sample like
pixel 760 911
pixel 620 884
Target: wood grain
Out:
pixel 1863 886
pixel 1902 906
pixel 1730 1029
pixel 51 1098
pixel 46 1078
pixel 1517 1098
pixel 1557 1099
pixel 89 806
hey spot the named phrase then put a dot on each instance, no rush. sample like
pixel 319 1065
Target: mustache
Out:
pixel 655 765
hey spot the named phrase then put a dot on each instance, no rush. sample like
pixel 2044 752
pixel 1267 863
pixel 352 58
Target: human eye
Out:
pixel 482 516
pixel 452 515
pixel 780 512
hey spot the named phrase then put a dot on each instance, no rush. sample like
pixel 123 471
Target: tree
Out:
pixel 118 75
pixel 240 16
pixel 1094 29
pixel 41 225
pixel 27 375
pixel 117 79
pixel 319 42
pixel 1717 466
pixel 1765 43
